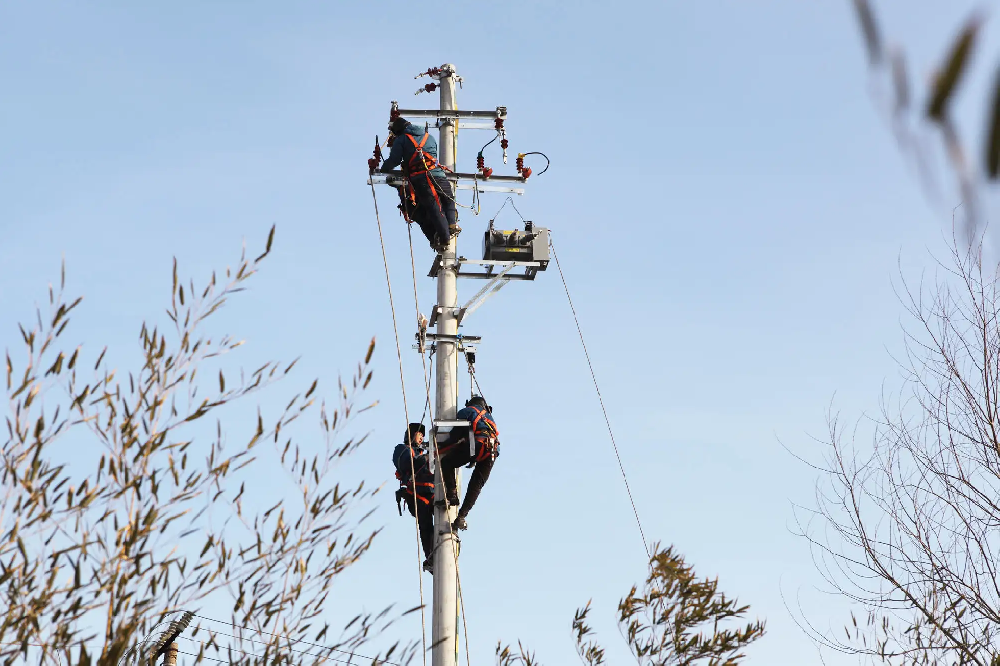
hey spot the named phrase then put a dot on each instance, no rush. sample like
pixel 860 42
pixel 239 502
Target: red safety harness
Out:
pixel 408 488
pixel 487 441
pixel 422 163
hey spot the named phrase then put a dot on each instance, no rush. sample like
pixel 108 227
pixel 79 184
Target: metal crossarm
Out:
pixel 464 181
pixel 499 112
pixel 490 268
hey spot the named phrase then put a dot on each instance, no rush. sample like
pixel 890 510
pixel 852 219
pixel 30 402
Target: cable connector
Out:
pixel 523 171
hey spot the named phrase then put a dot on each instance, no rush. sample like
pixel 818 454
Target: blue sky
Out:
pixel 728 205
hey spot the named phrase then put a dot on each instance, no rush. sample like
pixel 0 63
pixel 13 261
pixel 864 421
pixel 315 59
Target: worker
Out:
pixel 416 486
pixel 433 204
pixel 456 451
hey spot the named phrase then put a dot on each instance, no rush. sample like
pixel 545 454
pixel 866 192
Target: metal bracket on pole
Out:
pixel 462 342
pixel 465 181
pixel 490 267
pixel 499 112
pixel 493 286
pixel 437 312
pixel 445 426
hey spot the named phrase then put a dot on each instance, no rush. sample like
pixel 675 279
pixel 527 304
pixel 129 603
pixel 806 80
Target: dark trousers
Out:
pixel 435 210
pixel 480 475
pixel 425 517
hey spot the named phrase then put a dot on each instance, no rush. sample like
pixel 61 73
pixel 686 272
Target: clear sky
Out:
pixel 727 203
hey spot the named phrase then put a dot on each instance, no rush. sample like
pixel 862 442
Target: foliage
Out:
pixel 917 127
pixel 909 525
pixel 507 657
pixel 119 505
pixel 675 620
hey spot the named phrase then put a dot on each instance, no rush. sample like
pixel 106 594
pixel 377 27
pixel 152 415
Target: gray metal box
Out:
pixel 529 244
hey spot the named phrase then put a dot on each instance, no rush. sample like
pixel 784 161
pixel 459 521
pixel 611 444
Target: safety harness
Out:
pixel 409 490
pixel 487 441
pixel 484 429
pixel 422 163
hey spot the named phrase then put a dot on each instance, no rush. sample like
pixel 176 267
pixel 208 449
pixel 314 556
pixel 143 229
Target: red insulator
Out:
pixel 504 144
pixel 487 172
pixel 519 163
pixel 433 71
pixel 498 123
pixel 431 87
pixel 480 162
pixel 375 159
pixel 525 173
pixel 393 115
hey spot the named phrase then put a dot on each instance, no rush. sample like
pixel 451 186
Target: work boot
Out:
pixel 429 565
pixel 459 523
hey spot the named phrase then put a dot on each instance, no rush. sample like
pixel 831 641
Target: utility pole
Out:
pixel 506 254
pixel 445 626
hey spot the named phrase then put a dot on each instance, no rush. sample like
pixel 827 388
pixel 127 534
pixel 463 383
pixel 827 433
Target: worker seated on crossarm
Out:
pixel 416 486
pixel 456 451
pixel 433 205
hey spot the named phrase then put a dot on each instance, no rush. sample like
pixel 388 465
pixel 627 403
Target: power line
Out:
pixel 296 640
pixel 593 376
pixel 308 654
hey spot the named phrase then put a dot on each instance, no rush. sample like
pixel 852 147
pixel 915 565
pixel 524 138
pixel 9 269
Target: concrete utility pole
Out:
pixel 505 254
pixel 170 656
pixel 445 624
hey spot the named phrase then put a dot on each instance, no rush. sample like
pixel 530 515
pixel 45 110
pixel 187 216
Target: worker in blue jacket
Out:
pixel 416 151
pixel 416 486
pixel 457 451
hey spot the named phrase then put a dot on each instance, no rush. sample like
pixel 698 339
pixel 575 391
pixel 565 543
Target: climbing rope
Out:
pixel 406 415
pixel 593 376
pixel 427 403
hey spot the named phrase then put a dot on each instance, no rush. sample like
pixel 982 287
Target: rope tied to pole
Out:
pixel 406 415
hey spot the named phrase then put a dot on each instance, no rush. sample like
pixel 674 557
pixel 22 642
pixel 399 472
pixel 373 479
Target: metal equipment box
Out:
pixel 531 244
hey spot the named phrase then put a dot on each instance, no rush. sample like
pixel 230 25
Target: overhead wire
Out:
pixel 409 442
pixel 295 640
pixel 548 162
pixel 291 640
pixel 600 398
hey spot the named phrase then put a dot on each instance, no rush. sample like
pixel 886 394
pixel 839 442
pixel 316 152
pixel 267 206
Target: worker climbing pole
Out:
pixel 429 183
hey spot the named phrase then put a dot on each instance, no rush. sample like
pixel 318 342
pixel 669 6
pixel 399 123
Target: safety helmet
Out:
pixel 398 126
pixel 478 401
pixel 411 432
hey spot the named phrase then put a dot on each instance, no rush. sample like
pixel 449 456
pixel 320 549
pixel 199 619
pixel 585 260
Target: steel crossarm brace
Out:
pixel 493 286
